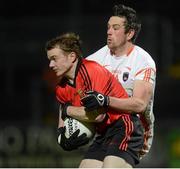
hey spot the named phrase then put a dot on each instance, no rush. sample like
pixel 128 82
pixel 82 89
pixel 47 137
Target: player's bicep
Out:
pixel 143 90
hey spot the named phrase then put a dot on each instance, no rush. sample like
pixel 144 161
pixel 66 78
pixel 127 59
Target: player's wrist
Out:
pixel 65 110
pixel 103 100
pixel 68 110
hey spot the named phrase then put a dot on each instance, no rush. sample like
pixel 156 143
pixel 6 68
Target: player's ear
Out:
pixel 130 34
pixel 73 56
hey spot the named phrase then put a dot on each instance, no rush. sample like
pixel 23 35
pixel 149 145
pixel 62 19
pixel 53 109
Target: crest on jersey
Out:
pixel 125 76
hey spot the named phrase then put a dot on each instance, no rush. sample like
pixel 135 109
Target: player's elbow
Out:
pixel 140 106
pixel 141 109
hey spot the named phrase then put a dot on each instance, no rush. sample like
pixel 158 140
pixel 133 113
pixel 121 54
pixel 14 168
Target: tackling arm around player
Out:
pixel 137 104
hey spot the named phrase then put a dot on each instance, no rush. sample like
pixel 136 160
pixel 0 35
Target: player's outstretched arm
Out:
pixel 142 94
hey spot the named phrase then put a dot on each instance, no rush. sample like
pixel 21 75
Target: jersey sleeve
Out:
pixel 147 74
pixel 146 69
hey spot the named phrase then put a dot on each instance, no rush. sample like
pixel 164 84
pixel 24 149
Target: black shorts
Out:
pixel 123 139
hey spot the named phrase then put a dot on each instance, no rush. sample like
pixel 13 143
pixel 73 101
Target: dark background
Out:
pixel 28 106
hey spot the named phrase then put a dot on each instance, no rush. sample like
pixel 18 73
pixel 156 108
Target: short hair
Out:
pixel 132 21
pixel 68 42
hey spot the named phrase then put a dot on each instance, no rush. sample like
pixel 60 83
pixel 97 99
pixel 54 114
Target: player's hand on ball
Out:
pixel 94 100
pixel 73 142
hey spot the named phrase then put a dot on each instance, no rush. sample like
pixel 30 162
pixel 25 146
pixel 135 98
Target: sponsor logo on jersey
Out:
pixel 125 76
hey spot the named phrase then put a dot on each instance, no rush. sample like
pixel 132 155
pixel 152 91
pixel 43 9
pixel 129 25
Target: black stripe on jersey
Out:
pixel 86 78
pixel 109 84
pixel 83 77
pixel 76 73
pixel 86 85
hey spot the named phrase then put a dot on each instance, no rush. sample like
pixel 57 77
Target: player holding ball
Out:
pixel 119 133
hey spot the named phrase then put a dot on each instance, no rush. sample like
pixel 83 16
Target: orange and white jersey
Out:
pixel 136 65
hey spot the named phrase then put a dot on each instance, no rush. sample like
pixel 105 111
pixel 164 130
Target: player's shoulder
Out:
pixel 95 69
pixel 143 55
pixel 99 54
pixel 142 52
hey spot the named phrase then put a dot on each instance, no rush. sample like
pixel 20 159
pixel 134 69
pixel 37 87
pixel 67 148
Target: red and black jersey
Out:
pixel 92 76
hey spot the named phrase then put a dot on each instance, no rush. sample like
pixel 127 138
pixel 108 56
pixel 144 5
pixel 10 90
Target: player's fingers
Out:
pixel 82 136
pixel 82 139
pixel 75 134
pixel 90 106
pixel 87 99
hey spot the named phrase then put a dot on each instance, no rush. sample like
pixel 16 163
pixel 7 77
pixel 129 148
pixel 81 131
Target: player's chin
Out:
pixel 110 45
pixel 58 74
pixel 108 42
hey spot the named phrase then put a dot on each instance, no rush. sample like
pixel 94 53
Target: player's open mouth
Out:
pixel 109 40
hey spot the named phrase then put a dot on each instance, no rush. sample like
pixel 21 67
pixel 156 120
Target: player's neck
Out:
pixel 122 50
pixel 72 72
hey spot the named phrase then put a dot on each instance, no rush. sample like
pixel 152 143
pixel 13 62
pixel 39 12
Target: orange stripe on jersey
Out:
pixel 147 75
pixel 128 131
pixel 130 50
pixel 139 72
pixel 143 70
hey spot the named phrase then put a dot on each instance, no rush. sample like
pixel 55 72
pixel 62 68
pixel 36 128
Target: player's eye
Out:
pixel 116 27
pixel 54 58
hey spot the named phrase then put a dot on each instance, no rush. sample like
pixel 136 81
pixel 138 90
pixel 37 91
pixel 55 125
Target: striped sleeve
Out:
pixel 147 74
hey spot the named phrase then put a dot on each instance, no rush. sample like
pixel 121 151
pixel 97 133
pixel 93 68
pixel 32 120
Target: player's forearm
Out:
pixel 130 104
pixel 77 113
pixel 80 114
